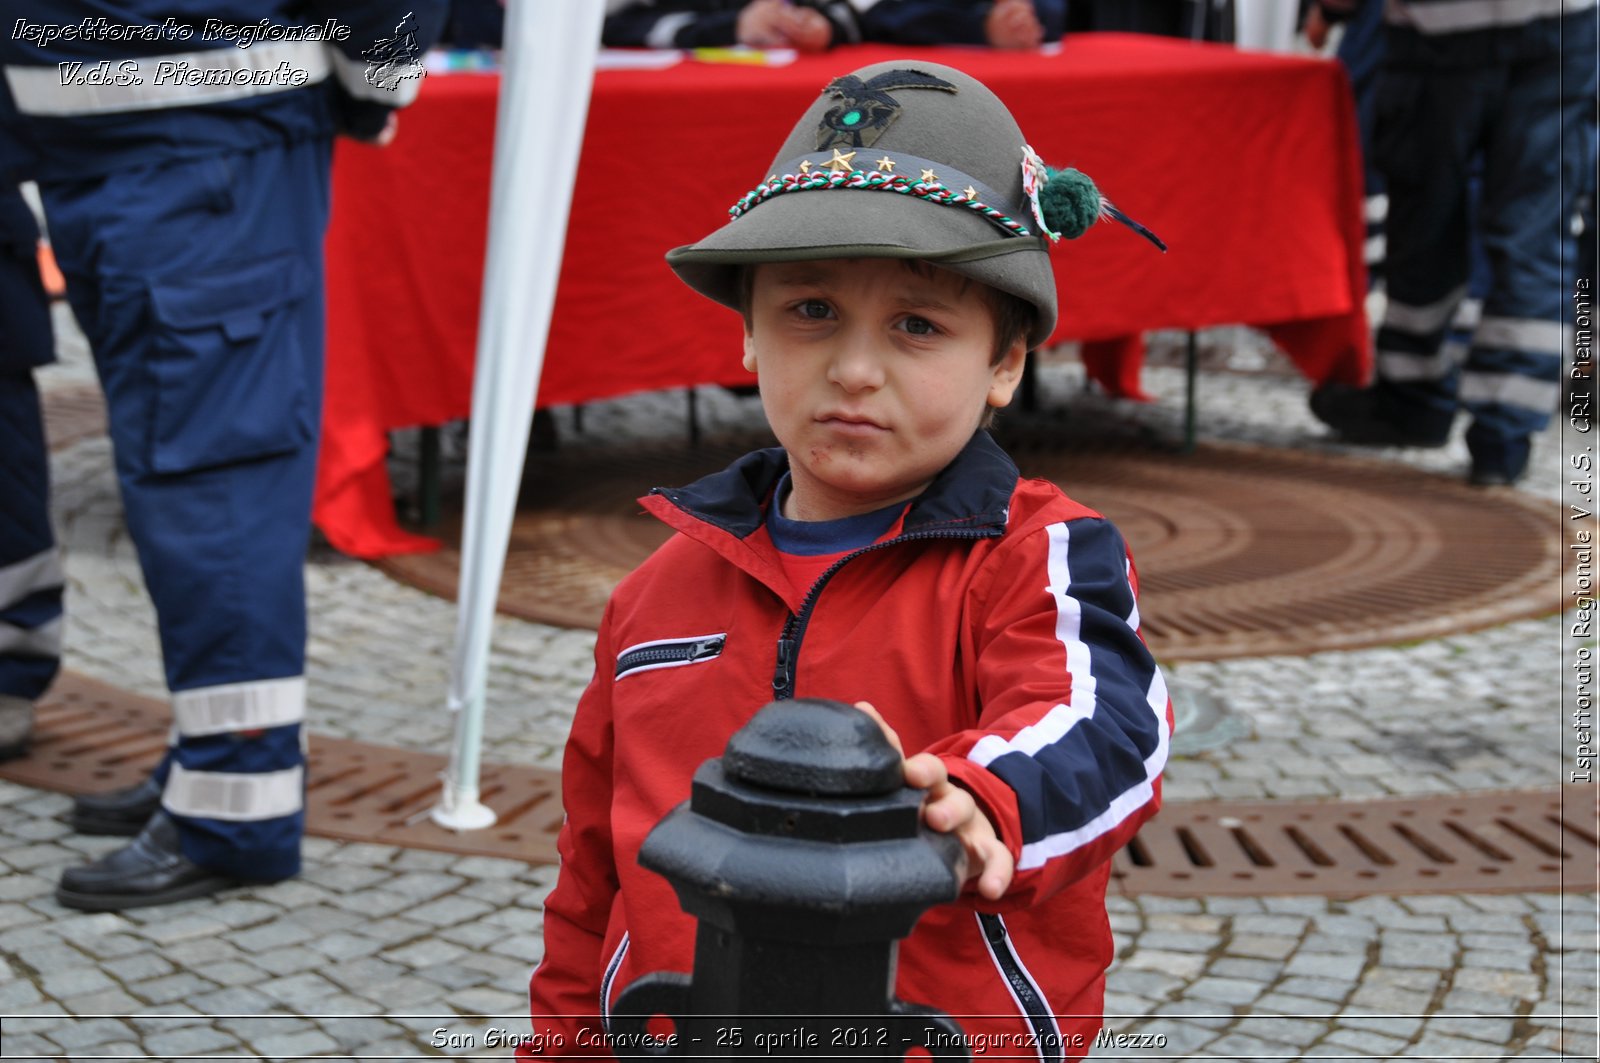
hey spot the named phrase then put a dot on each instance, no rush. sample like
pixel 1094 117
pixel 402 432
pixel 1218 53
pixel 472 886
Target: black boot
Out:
pixel 121 812
pixel 1375 416
pixel 147 871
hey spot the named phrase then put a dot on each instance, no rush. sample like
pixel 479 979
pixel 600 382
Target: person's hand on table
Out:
pixel 780 24
pixel 949 809
pixel 762 24
pixel 1316 27
pixel 808 30
pixel 1013 24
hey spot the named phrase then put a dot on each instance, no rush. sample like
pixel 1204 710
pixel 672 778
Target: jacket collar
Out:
pixel 973 492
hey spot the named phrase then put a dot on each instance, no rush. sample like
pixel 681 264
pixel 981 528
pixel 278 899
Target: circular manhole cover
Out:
pixel 1242 550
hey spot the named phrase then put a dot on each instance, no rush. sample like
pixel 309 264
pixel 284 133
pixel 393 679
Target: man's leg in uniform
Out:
pixel 30 566
pixel 1427 127
pixel 199 285
pixel 1534 159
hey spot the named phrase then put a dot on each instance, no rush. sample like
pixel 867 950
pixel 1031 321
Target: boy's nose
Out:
pixel 856 365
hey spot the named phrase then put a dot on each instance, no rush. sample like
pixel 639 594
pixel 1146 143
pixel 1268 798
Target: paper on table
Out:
pixel 637 58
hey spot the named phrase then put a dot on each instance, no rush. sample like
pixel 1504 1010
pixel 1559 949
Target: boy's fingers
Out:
pixel 998 869
pixel 888 732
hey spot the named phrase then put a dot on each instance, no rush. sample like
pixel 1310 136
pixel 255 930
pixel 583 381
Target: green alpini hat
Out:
pixel 935 168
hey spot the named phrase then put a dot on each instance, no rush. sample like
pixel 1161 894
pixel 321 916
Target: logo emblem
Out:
pixel 865 108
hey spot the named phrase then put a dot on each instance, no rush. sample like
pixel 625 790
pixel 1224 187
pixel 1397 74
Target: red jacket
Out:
pixel 998 630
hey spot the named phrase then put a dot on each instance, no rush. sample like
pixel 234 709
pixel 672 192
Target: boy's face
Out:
pixel 874 375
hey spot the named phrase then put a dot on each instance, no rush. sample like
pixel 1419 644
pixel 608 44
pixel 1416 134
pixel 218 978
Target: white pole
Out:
pixel 548 70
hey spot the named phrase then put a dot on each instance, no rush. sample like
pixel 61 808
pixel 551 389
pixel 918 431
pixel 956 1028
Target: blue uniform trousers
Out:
pixel 199 285
pixel 30 567
pixel 1525 121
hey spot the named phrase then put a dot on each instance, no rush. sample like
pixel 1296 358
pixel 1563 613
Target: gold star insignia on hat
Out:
pixel 970 192
pixel 886 164
pixel 929 176
pixel 840 162
pixel 805 165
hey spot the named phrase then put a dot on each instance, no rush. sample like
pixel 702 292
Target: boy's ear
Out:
pixel 749 351
pixel 1008 373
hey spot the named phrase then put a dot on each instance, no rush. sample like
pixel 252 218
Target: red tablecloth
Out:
pixel 1246 164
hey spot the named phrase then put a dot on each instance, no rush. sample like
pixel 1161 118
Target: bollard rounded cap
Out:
pixel 813 746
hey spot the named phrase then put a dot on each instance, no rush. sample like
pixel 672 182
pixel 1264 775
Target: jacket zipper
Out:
pixel 1046 1034
pixel 668 653
pixel 794 628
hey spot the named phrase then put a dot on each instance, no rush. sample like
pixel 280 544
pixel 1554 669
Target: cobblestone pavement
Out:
pixel 378 952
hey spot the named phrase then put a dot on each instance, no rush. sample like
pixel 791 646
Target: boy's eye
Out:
pixel 920 326
pixel 815 309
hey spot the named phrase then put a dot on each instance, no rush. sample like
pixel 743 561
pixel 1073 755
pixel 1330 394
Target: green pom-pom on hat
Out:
pixel 1069 202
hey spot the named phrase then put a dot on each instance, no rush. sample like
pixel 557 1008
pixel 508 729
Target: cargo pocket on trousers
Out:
pixel 229 365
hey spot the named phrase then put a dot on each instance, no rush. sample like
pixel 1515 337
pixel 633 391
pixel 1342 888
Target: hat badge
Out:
pixel 865 108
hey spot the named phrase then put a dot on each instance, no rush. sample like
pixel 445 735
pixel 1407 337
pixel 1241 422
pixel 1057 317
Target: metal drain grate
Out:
pixel 1535 841
pixel 91 736
pixel 1242 550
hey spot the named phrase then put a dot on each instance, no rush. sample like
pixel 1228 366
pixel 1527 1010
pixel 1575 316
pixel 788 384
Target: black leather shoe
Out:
pixel 1374 417
pixel 149 870
pixel 121 812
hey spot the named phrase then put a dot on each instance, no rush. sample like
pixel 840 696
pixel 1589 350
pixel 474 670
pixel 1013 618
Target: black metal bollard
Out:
pixel 802 854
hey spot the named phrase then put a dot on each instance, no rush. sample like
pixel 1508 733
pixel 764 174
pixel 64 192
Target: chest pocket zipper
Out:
pixel 1046 1034
pixel 670 653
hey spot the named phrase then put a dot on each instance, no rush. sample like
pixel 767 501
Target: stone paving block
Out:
pixel 345 946
pixel 297 989
pixel 1316 988
pixel 303 1043
pixel 452 976
pixel 484 1001
pixel 265 937
pixel 290 960
pixel 1263 946
pixel 403 993
pixel 73 981
pixel 1524 986
pixel 138 967
pixel 190 1041
pixel 1224 990
pixel 1331 966
pixel 1125 1005
pixel 76 1035
pixel 108 1002
pixel 1363 1042
pixel 182 986
pixel 196 952
pixel 1142 982
pixel 425 952
pixel 1392 1022
pixel 232 1000
pixel 1437 1046
pixel 26 1045
pixel 1180 964
pixel 1397 950
pixel 243 911
pixel 1265 972
pixel 230 973
pixel 1490 1030
pixel 449 910
pixel 343 877
pixel 1175 942
pixel 181 927
pixel 1256 1049
pixel 1182 1037
pixel 356 975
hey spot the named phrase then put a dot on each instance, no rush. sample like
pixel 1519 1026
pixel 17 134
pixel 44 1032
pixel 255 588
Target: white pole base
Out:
pixel 458 812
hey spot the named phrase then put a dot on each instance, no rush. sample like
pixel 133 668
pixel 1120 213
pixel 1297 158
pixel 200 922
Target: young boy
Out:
pixel 891 282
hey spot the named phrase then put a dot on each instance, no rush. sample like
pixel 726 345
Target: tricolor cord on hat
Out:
pixel 1064 202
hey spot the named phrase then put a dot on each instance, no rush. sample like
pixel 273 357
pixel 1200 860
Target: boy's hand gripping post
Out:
pixel 802 853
